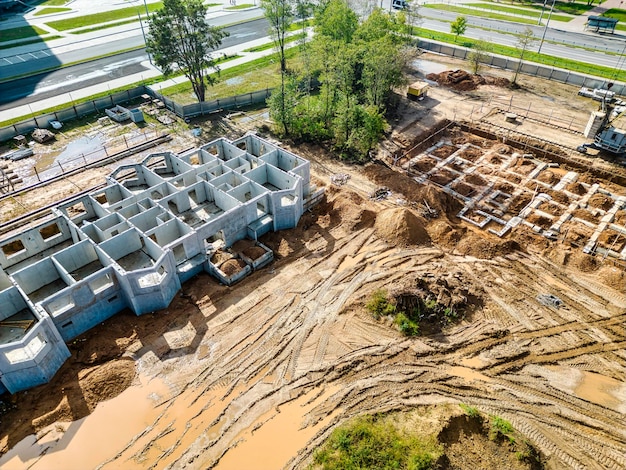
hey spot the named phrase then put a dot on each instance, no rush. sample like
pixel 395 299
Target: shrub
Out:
pixel 379 305
pixel 470 410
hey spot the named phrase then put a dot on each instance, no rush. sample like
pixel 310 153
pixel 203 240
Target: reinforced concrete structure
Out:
pixel 131 244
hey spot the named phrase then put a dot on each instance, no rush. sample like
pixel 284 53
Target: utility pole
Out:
pixel 546 28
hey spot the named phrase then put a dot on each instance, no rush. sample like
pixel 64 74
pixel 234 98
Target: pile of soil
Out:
pixel 400 226
pixel 585 215
pixel 254 252
pixel 613 277
pixel 548 177
pixel 540 220
pixel 444 234
pixel 583 262
pixel 576 188
pixel 601 201
pixel 220 256
pixel 232 266
pixel 480 246
pixel 460 80
pixel 558 196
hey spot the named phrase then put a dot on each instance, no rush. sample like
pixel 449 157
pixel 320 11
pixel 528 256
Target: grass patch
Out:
pixel 53 3
pixel 240 7
pixel 470 410
pixel 51 11
pixel 517 11
pixel 375 442
pixel 104 17
pixel 269 45
pixel 30 41
pixel 616 13
pixel 530 56
pixel 255 75
pixel 495 16
pixel 104 26
pixel 22 32
pixel 572 8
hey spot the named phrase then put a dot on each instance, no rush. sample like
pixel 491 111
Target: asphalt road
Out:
pixel 67 79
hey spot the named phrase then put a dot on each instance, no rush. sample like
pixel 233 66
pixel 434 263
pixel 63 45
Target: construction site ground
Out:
pixel 258 374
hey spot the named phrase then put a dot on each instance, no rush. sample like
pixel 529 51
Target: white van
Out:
pixel 399 4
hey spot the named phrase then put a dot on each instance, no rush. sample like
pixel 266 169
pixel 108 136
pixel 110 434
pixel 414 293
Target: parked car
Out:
pixel 399 4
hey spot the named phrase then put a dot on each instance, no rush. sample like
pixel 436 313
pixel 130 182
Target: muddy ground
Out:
pixel 257 375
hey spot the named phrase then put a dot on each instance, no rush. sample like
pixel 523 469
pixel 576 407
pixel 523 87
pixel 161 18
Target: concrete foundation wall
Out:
pixel 132 243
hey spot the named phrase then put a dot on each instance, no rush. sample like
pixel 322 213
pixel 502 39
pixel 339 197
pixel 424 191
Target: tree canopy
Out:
pixel 180 38
pixel 356 66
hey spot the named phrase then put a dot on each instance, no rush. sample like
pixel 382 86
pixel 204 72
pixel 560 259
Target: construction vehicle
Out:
pixel 417 91
pixel 599 127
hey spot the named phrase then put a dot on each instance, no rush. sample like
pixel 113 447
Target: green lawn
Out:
pixel 572 8
pixel 616 13
pixel 240 7
pixel 51 11
pixel 21 33
pixel 104 17
pixel 250 76
pixel 269 45
pixel 517 11
pixel 53 3
pixel 482 14
pixel 106 26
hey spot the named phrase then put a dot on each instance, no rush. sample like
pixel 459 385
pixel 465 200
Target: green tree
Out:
pixel 179 37
pixel 337 21
pixel 458 26
pixel 478 55
pixel 525 39
pixel 381 71
pixel 279 14
pixel 283 104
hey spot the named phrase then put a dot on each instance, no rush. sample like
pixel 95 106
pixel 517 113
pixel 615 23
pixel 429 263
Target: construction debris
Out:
pixel 549 300
pixel 339 179
pixel 42 135
pixel 381 193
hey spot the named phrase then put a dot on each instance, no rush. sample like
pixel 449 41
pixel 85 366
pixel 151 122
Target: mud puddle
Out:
pixel 79 445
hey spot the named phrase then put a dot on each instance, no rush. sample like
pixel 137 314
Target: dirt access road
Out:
pixel 257 375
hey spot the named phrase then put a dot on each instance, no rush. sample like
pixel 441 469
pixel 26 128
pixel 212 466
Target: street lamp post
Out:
pixel 143 33
pixel 543 36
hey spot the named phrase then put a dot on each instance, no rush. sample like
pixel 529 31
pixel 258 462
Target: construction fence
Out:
pixel 528 68
pixel 97 106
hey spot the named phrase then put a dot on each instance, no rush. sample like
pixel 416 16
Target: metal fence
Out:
pixel 73 112
pixel 99 105
pixel 528 68
pixel 209 107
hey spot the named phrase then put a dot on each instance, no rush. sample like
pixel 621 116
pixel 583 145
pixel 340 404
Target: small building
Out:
pixel 601 24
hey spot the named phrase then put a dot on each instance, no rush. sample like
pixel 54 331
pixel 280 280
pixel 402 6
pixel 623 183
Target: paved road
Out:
pixel 68 79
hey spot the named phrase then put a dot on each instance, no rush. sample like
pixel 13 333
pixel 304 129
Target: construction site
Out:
pixel 478 198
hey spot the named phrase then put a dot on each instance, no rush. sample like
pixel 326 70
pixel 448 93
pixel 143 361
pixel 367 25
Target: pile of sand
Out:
pixel 583 262
pixel 232 266
pixel 254 252
pixel 602 201
pixel 400 226
pixel 480 246
pixel 613 277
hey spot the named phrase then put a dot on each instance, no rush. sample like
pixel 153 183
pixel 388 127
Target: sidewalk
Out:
pixel 67 98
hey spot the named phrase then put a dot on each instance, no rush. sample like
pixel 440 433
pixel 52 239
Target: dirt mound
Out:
pixel 400 226
pixel 601 201
pixel 471 442
pixel 254 252
pixel 583 262
pixel 232 266
pixel 461 80
pixel 576 188
pixel 480 246
pixel 613 277
pixel 445 234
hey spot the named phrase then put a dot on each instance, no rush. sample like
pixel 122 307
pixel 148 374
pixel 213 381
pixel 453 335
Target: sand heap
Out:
pixel 460 80
pixel 400 226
